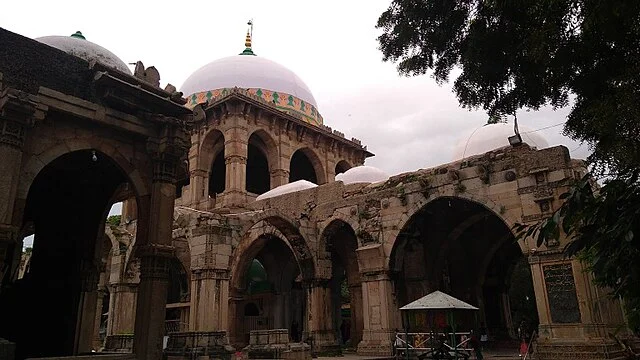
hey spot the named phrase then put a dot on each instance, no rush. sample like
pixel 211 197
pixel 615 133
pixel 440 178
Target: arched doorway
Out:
pixel 268 291
pixel 51 312
pixel 212 153
pixel 258 174
pixel 345 283
pixel 462 248
pixel 305 165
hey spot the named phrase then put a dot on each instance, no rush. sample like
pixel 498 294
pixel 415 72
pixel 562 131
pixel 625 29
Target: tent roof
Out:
pixel 438 300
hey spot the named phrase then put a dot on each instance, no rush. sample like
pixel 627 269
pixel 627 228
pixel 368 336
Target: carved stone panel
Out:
pixel 561 291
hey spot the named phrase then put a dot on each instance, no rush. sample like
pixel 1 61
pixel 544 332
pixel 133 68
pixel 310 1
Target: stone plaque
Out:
pixel 561 291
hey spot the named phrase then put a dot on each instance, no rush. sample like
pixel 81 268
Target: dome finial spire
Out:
pixel 247 42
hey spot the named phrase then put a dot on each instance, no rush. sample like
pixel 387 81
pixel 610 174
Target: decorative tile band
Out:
pixel 285 102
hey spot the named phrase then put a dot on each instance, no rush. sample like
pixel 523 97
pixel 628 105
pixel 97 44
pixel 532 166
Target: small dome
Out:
pixel 494 136
pixel 287 188
pixel 78 46
pixel 362 174
pixel 247 71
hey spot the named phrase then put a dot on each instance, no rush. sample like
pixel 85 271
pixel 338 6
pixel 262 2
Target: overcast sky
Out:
pixel 409 123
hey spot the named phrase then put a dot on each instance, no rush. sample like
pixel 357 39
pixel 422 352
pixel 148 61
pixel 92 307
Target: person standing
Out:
pixel 475 344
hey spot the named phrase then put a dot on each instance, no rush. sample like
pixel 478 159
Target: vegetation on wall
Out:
pixel 527 54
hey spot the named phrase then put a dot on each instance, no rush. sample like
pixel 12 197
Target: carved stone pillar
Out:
pixel 209 300
pixel 379 319
pixel 379 310
pixel 155 249
pixel 235 158
pixel 198 186
pixel 122 308
pixel 152 300
pixel 87 314
pixel 320 319
pixel 18 112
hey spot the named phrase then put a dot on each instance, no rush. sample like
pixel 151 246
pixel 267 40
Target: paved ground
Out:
pixel 488 355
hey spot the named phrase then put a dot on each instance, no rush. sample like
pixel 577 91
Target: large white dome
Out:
pixel 78 46
pixel 494 136
pixel 247 71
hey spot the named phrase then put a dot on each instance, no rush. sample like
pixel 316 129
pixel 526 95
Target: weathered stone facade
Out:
pixel 75 137
pixel 78 137
pixel 369 225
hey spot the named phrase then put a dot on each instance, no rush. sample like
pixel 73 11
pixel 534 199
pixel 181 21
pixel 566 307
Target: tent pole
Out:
pixel 406 335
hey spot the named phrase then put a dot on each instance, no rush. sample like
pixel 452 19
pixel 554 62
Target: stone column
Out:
pixel 87 307
pixel 235 158
pixel 320 318
pixel 17 113
pixel 152 300
pixel 155 249
pixel 198 186
pixel 97 342
pixel 279 177
pixel 379 315
pixel 122 308
pixel 379 309
pixel 209 300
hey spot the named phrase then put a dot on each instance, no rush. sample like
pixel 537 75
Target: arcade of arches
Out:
pixel 330 264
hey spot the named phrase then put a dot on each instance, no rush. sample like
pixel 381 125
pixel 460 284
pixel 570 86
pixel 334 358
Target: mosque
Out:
pixel 250 228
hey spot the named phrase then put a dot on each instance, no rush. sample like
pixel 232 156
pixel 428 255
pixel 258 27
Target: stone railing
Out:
pixel 274 344
pixel 119 343
pixel 195 344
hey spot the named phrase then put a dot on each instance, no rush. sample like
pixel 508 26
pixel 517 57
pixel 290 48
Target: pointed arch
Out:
pixel 305 164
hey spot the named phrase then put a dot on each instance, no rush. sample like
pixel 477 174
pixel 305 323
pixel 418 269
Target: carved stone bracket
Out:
pixel 168 150
pixel 18 111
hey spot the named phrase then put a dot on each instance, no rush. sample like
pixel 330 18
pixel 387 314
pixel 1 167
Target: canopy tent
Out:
pixel 437 302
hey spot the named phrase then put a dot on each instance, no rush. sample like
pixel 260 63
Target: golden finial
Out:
pixel 247 42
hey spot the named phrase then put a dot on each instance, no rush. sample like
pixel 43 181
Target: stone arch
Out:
pixel 288 228
pixel 269 147
pixel 211 162
pixel 352 221
pixel 452 244
pixel 35 163
pixel 78 178
pixel 262 159
pixel 342 166
pixel 414 207
pixel 345 282
pixel 212 144
pixel 316 163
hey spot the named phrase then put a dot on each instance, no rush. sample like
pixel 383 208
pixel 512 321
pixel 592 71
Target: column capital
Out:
pixel 205 273
pixel 154 260
pixel 237 159
pixel 280 172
